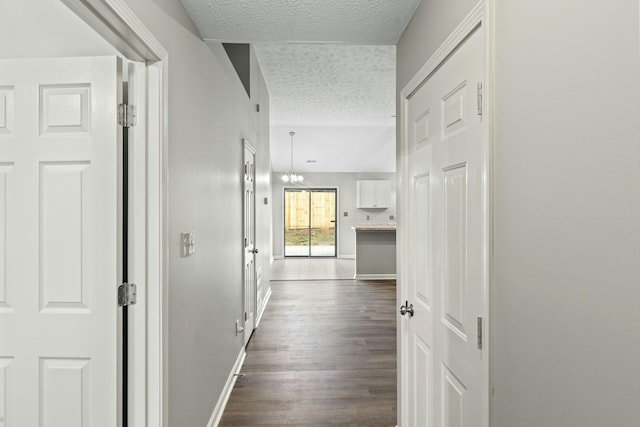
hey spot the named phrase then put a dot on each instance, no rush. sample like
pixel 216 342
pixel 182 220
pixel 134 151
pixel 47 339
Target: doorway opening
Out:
pixel 310 225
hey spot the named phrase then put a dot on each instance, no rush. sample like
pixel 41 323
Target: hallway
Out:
pixel 324 354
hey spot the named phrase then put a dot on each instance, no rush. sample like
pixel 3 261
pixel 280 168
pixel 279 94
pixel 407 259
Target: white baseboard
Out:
pixel 347 256
pixel 278 257
pixel 264 306
pixel 226 391
pixel 375 276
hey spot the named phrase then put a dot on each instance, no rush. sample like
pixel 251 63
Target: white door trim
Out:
pixel 116 22
pixel 478 17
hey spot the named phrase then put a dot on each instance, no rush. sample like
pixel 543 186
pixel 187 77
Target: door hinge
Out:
pixel 127 294
pixel 479 98
pixel 479 333
pixel 246 316
pixel 127 115
pixel 258 108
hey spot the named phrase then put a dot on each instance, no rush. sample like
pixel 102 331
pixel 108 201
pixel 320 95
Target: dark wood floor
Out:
pixel 324 355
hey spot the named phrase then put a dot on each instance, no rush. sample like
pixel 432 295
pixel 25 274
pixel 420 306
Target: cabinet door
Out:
pixel 381 194
pixel 365 194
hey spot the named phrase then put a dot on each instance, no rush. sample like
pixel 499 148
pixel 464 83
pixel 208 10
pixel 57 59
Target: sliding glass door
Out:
pixel 310 222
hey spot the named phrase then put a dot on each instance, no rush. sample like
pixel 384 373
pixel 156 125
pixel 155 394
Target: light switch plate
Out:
pixel 187 243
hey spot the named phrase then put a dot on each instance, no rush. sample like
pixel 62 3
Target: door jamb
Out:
pixel 117 23
pixel 479 16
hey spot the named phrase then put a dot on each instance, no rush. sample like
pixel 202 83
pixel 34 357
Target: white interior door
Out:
pixel 250 249
pixel 443 365
pixel 59 247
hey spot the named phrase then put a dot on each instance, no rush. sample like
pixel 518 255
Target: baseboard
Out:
pixel 346 256
pixel 264 306
pixel 278 257
pixel 226 391
pixel 375 277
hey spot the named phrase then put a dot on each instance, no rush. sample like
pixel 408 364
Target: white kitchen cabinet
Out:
pixel 373 194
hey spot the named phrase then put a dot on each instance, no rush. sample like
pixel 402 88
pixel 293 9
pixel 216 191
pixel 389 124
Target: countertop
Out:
pixel 375 226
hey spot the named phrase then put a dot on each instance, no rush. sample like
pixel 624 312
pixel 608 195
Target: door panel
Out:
pixel 323 223
pixel 59 219
pixel 446 253
pixel 452 399
pixel 421 363
pixel 422 284
pixel 297 221
pixel 455 249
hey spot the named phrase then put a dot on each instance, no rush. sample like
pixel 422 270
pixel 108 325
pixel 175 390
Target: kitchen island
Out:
pixel 375 250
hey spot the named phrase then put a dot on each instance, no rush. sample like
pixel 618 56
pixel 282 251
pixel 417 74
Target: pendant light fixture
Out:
pixel 291 176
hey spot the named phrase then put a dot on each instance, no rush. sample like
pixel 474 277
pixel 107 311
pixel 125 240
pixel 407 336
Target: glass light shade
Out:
pixel 285 178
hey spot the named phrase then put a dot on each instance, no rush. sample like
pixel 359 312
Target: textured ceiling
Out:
pixel 337 92
pixel 347 21
pixel 339 99
pixel 329 84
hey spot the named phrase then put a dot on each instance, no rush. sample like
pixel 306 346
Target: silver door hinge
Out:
pixel 479 333
pixel 127 115
pixel 479 98
pixel 246 316
pixel 258 108
pixel 127 294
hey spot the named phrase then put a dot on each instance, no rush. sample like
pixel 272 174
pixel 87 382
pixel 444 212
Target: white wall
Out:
pixel 46 28
pixel 346 184
pixel 209 114
pixel 566 182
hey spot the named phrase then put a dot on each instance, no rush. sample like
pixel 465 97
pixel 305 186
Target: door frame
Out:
pixel 118 25
pixel 246 145
pixel 284 219
pixel 480 16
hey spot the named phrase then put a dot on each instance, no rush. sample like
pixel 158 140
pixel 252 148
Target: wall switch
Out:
pixel 239 327
pixel 187 243
pixel 367 217
pixel 266 200
pixel 346 214
pixel 392 217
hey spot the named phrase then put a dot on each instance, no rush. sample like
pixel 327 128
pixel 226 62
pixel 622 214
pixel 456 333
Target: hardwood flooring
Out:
pixel 324 355
pixel 313 269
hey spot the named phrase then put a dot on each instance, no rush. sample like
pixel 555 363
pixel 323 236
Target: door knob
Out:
pixel 255 251
pixel 407 308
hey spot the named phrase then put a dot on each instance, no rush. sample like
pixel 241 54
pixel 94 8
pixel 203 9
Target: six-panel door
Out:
pixel 58 241
pixel 446 262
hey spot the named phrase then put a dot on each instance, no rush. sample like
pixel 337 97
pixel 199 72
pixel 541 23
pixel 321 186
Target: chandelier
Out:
pixel 291 176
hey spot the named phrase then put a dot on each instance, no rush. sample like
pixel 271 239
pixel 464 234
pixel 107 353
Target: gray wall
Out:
pixel 209 114
pixel 566 176
pixel 346 183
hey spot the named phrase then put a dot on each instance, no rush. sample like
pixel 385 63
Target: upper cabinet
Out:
pixel 374 194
